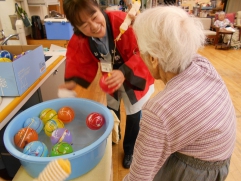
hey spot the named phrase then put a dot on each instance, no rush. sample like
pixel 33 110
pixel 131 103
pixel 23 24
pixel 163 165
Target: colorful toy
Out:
pixel 47 114
pixel 5 60
pixel 25 136
pixel 61 135
pixel 52 125
pixel 36 148
pixel 56 170
pixel 27 51
pixel 61 148
pixel 136 4
pixel 18 56
pixel 95 121
pixel 104 86
pixel 59 122
pixel 34 123
pixel 6 54
pixel 66 114
pixel 15 57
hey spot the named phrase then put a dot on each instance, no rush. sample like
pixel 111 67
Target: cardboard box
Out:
pixel 58 29
pixel 17 76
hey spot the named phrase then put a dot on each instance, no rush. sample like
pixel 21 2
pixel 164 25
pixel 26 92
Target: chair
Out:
pixel 238 20
pixel 207 22
pixel 238 23
pixel 225 36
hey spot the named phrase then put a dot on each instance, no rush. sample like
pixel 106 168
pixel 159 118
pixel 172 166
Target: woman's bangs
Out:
pixel 89 10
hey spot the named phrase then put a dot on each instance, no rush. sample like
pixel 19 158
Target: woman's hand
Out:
pixel 68 85
pixel 67 90
pixel 115 80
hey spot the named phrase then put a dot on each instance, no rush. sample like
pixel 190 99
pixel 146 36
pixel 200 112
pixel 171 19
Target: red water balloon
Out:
pixel 95 121
pixel 104 86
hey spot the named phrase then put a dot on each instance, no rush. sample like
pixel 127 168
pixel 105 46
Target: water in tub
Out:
pixel 81 134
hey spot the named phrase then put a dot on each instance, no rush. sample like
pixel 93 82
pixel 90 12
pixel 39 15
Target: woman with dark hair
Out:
pixel 93 43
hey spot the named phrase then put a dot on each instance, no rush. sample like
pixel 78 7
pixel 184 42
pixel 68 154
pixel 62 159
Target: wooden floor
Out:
pixel 228 64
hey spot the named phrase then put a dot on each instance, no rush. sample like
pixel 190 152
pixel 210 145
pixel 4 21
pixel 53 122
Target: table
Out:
pixel 222 45
pixel 103 171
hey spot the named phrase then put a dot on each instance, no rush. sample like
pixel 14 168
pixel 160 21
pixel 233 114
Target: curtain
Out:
pixel 233 6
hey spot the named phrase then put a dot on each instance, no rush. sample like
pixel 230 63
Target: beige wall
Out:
pixel 6 9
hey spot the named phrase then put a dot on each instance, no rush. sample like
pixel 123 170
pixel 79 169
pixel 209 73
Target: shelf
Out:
pixel 44 4
pixel 207 8
pixel 46 43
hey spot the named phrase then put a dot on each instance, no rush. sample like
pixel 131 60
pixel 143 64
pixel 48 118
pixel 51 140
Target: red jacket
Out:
pixel 82 64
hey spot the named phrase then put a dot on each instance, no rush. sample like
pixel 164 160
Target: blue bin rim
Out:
pixel 41 160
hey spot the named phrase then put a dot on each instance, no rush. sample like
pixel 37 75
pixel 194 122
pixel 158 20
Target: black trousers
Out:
pixel 131 130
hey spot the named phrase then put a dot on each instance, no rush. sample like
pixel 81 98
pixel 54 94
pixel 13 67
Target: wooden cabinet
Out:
pixel 46 43
pixel 49 89
pixel 58 8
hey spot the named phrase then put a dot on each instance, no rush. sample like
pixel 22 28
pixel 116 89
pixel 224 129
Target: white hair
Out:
pixel 170 35
pixel 221 13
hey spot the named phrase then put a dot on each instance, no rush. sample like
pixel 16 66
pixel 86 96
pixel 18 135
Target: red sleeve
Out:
pixel 81 65
pixel 128 48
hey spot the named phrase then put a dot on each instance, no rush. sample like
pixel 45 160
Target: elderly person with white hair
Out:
pixel 222 22
pixel 187 131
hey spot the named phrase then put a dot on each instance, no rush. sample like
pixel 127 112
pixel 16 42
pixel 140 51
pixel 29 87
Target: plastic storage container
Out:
pixel 58 29
pixel 89 145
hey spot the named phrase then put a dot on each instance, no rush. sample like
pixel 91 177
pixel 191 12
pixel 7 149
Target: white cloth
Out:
pixel 115 131
pixel 230 29
pixel 62 93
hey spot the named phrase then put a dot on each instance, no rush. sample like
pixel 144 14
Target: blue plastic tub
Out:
pixel 58 29
pixel 89 145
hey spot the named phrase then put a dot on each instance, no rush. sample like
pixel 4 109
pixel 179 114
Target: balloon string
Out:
pixel 25 134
